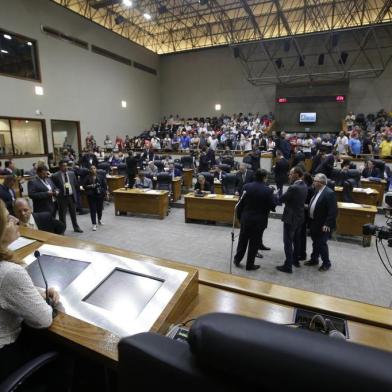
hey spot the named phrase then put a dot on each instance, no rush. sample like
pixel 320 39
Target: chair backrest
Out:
pixel 229 184
pixel 160 165
pixel 355 175
pixel 228 161
pixel 187 162
pixel 226 168
pixel 227 352
pixel 104 166
pixel 122 168
pixel 178 166
pixel 331 184
pixel 164 181
pixel 380 164
pixel 210 179
pixel 348 191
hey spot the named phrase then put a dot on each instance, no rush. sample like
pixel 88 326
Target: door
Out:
pixel 65 135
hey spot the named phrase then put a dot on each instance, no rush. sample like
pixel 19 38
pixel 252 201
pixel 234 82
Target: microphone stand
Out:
pixel 232 230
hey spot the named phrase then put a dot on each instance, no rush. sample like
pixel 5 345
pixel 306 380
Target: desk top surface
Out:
pixel 221 292
pixel 359 190
pixel 148 192
pixel 212 196
pixel 373 182
pixel 357 207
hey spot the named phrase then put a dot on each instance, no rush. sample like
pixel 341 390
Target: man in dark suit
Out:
pixel 43 192
pixel 293 218
pixel 88 159
pixel 39 220
pixel 281 170
pixel 371 170
pixel 244 176
pixel 7 192
pixel 131 165
pixel 257 202
pixel 148 154
pixel 322 214
pixel 65 182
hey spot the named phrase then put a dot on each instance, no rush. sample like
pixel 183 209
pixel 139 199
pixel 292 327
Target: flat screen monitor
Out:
pixel 59 272
pixel 124 291
pixel 307 117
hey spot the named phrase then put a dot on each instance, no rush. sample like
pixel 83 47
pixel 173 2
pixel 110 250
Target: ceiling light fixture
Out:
pixel 39 90
pixel 218 107
pixel 4 51
pixel 127 3
pixel 29 43
pixel 7 36
pixel 123 104
pixel 147 16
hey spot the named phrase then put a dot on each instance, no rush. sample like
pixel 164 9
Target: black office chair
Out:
pixel 380 164
pixel 160 166
pixel 178 166
pixel 187 162
pixel 122 169
pixel 248 161
pixel 331 184
pixel 355 175
pixel 210 179
pixel 20 377
pixel 348 187
pixel 164 181
pixel 228 161
pixel 104 166
pixel 225 168
pixel 227 352
pixel 229 184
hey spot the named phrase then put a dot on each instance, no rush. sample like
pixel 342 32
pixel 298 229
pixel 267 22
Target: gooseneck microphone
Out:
pixel 37 255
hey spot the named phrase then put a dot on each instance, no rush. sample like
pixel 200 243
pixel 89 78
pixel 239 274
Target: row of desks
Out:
pixel 219 292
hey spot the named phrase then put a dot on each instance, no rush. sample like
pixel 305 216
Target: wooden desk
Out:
pixel 137 201
pixel 216 209
pixel 115 182
pixel 114 170
pixel 188 177
pixel 359 196
pixel 350 220
pixel 220 292
pixel 176 188
pixel 378 186
pixel 218 187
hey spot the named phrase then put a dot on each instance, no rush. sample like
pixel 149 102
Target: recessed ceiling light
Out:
pixel 4 51
pixel 127 3
pixel 39 90
pixel 218 107
pixel 7 36
pixel 29 43
pixel 27 121
pixel 123 104
pixel 147 16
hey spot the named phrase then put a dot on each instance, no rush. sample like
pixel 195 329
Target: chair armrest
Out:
pixel 18 377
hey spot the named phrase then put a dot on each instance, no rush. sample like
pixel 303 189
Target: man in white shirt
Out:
pixel 341 144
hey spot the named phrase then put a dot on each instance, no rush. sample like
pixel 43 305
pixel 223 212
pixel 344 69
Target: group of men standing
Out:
pixel 306 206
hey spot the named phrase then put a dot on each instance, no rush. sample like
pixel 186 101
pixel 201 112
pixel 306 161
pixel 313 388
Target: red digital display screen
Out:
pixel 282 100
pixel 340 98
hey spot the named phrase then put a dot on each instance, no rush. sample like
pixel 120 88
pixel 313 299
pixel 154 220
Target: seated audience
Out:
pixel 37 220
pixel 151 169
pixel 219 173
pixel 143 182
pixel 370 170
pixel 174 171
pixel 202 185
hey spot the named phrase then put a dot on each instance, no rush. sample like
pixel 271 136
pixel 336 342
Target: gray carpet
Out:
pixel 356 273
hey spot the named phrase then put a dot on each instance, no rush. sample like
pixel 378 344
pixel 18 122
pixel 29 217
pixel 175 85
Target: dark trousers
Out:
pixel 291 240
pixel 320 246
pixel 279 187
pixel 131 180
pixel 261 240
pixel 250 237
pixel 67 203
pixel 302 241
pixel 96 207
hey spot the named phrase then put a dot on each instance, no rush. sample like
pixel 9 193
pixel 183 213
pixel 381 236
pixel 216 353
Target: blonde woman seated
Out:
pixel 20 301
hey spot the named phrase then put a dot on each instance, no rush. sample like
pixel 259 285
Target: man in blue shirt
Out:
pixel 354 145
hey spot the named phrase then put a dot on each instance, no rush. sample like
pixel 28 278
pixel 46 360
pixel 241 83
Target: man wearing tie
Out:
pixel 244 175
pixel 43 192
pixel 253 210
pixel 322 214
pixel 65 182
pixel 293 217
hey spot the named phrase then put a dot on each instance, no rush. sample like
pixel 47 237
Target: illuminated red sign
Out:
pixel 340 98
pixel 282 100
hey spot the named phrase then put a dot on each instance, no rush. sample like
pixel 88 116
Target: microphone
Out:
pixel 48 300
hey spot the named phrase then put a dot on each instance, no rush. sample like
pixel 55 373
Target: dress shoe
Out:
pixel 310 263
pixel 298 265
pixel 263 247
pixel 237 263
pixel 259 255
pixel 252 267
pixel 283 268
pixel 302 258
pixel 78 230
pixel 324 268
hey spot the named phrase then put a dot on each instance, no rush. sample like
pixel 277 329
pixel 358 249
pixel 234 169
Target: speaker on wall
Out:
pixel 279 63
pixel 321 59
pixel 301 61
pixel 236 52
pixel 343 58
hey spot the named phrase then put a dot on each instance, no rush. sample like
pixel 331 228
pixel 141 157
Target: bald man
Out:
pixel 38 220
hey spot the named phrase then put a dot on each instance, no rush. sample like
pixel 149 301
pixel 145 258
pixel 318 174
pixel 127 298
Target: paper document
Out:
pixel 229 197
pixel 21 242
pixel 350 205
pixel 152 192
pixel 212 195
